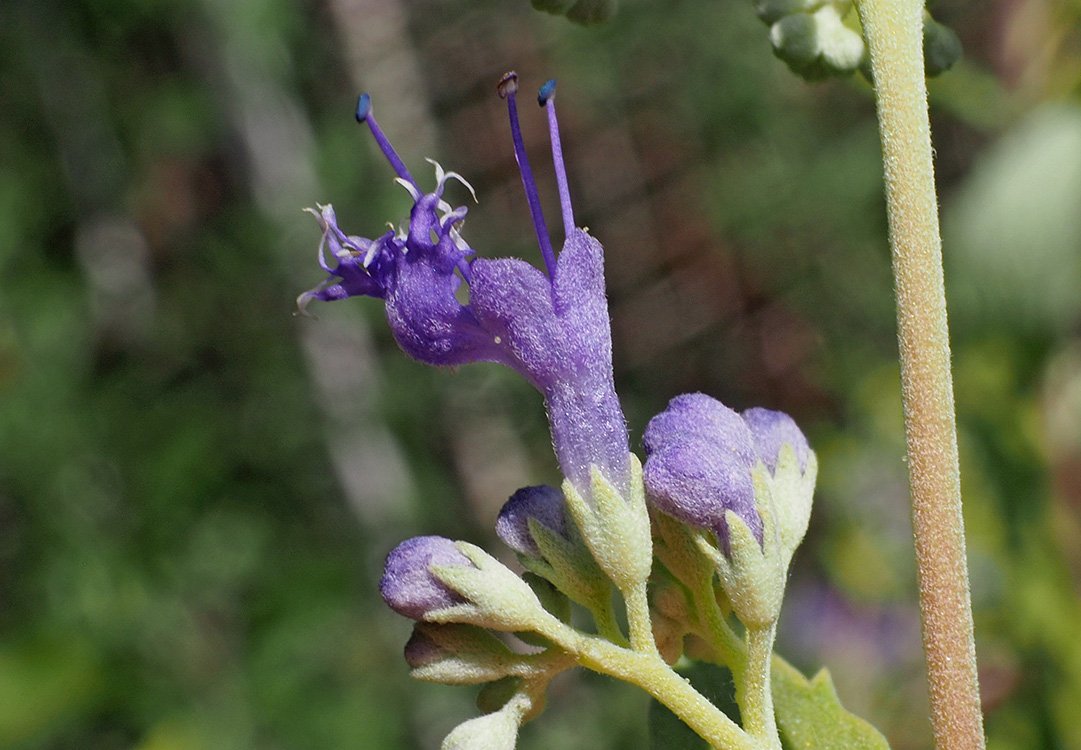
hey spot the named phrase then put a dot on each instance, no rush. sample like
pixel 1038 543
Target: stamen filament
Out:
pixel 508 86
pixel 365 115
pixel 547 99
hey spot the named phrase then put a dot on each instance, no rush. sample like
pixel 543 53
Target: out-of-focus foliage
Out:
pixel 197 489
pixel 585 12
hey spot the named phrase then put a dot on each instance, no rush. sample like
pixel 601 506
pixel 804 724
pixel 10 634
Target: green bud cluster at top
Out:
pixel 822 38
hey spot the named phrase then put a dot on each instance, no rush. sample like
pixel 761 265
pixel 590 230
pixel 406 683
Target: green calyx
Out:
pixel 494 596
pixel 616 529
pixel 454 654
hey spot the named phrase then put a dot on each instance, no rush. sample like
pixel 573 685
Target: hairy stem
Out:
pixel 749 662
pixel 753 689
pixel 718 633
pixel 648 670
pixel 604 617
pixel 893 29
pixel 638 620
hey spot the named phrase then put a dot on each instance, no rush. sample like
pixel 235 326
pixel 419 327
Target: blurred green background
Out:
pixel 197 488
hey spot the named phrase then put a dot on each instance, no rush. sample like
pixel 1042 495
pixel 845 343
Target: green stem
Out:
pixel 638 620
pixel 604 617
pixel 894 33
pixel 753 690
pixel 730 649
pixel 749 663
pixel 648 670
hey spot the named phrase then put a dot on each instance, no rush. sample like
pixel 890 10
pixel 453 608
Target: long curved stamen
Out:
pixel 508 86
pixel 547 99
pixel 365 115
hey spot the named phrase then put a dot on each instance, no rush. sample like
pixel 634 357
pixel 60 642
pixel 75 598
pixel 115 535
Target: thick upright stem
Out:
pixel 894 33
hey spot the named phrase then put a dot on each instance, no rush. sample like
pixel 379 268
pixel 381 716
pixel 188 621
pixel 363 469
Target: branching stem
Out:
pixel 648 670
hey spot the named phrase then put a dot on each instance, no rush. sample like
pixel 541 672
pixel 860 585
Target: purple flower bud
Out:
pixel 408 585
pixel 544 504
pixel 457 654
pixel 773 429
pixel 421 650
pixel 700 457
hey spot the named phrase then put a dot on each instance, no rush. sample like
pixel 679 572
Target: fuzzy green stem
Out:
pixel 604 617
pixel 718 633
pixel 648 670
pixel 753 689
pixel 894 33
pixel 638 620
pixel 749 663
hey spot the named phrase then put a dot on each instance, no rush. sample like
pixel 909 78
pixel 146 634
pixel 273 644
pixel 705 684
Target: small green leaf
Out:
pixel 811 717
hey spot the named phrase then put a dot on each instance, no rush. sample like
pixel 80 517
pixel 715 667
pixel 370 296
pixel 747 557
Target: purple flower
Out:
pixel 773 429
pixel 551 327
pixel 544 504
pixel 408 585
pixel 700 455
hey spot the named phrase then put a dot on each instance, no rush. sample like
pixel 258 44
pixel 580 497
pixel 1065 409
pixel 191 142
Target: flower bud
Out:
pixel 408 585
pixel 616 529
pixel 671 615
pixel 494 731
pixel 700 455
pixel 792 468
pixel 746 477
pixel 457 654
pixel 493 596
pixel 771 11
pixel 436 580
pixel 941 46
pixel 534 523
pixel 543 505
pixel 819 44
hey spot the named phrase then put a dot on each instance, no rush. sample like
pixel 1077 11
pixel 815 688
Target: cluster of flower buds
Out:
pixel 460 597
pixel 822 38
pixel 812 37
pixel 729 494
pixel 745 483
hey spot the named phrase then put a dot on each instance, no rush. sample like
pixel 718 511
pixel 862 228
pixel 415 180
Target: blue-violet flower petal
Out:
pixel 408 585
pixel 542 503
pixel 773 429
pixel 700 455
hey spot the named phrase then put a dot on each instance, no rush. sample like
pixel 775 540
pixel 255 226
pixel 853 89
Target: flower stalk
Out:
pixel 894 33
pixel 647 670
pixel 757 699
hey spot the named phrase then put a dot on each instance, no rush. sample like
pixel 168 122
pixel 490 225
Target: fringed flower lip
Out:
pixel 550 326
